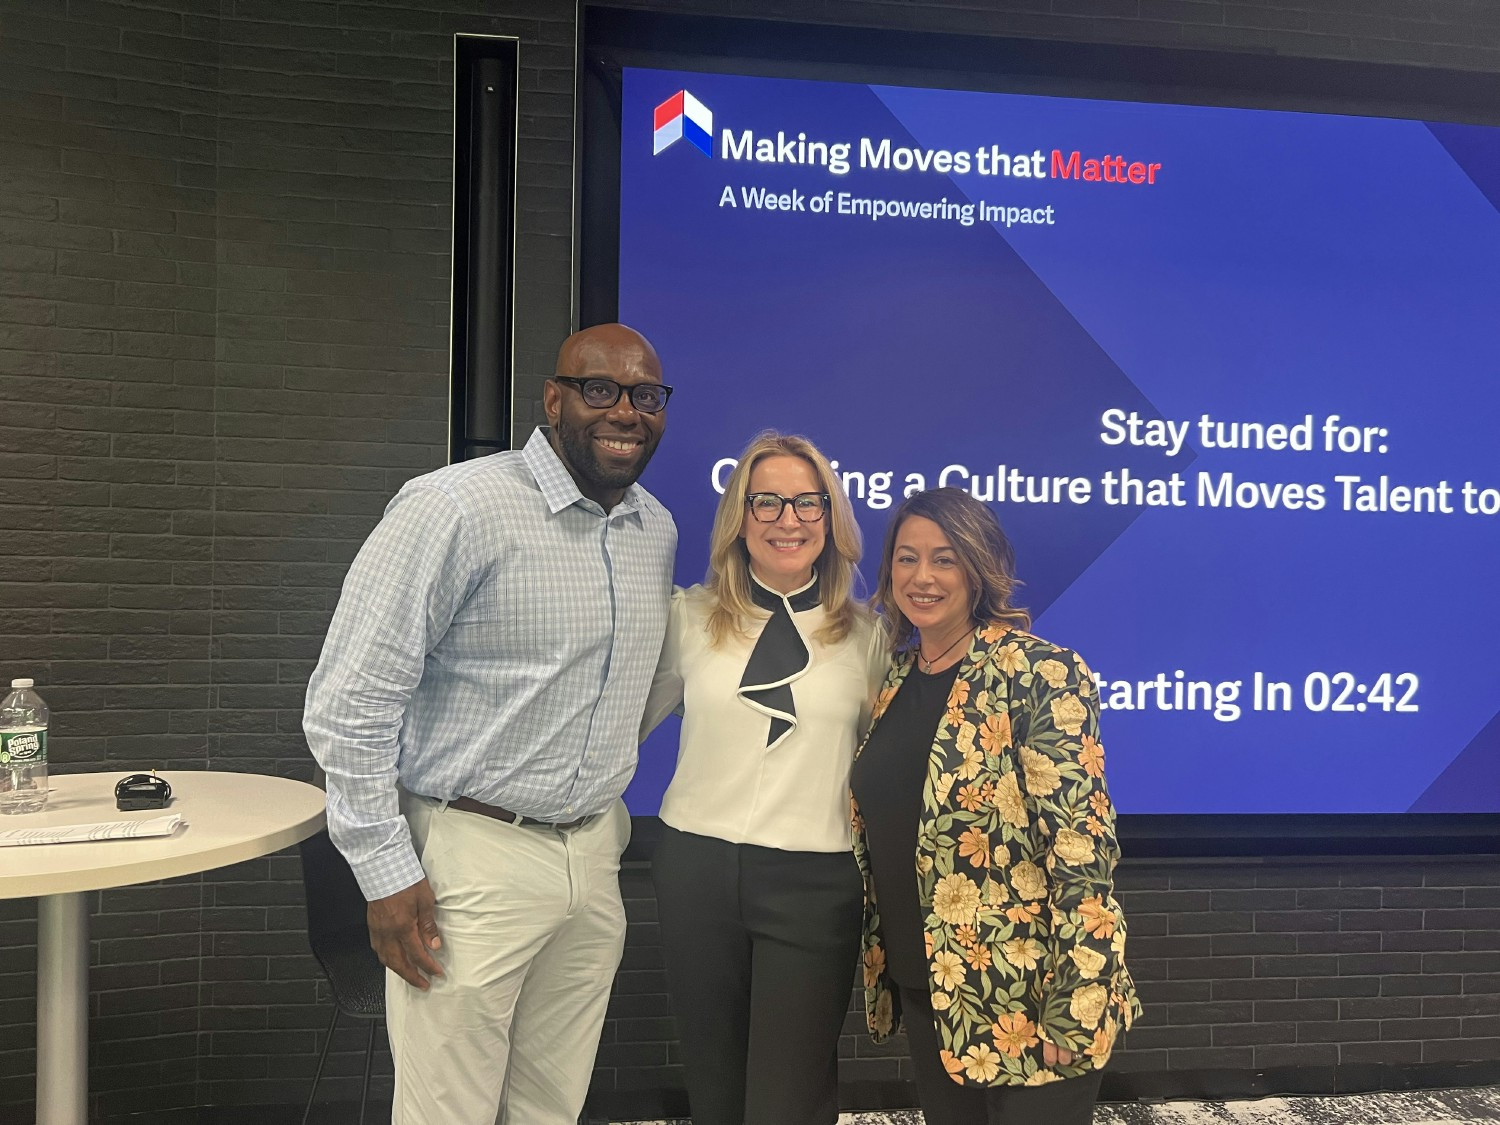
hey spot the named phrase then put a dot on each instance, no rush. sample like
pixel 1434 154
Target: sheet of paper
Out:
pixel 106 830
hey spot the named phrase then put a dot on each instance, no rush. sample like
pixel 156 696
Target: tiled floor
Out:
pixel 1420 1107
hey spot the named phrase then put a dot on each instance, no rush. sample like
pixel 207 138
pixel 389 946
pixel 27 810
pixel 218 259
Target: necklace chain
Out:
pixel 922 659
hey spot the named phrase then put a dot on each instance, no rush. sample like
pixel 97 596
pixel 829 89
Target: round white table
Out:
pixel 227 818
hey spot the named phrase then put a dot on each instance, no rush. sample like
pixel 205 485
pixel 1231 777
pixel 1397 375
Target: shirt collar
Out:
pixel 804 597
pixel 559 489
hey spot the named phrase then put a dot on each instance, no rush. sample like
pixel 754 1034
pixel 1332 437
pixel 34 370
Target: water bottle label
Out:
pixel 23 747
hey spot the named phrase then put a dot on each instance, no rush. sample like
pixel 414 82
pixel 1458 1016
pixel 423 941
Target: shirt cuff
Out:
pixel 382 875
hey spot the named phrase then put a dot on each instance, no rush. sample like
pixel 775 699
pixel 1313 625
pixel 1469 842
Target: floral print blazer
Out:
pixel 1014 867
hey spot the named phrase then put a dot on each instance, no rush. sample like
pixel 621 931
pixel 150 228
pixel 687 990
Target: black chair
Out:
pixel 340 941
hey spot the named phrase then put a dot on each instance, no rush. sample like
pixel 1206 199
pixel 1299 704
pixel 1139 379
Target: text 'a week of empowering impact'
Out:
pixel 845 204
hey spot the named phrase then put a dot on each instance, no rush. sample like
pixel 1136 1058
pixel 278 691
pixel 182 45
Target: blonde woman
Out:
pixel 775 666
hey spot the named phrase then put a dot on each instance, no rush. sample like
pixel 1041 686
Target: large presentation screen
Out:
pixel 1229 378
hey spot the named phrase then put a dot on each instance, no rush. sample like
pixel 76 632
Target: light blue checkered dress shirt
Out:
pixel 495 638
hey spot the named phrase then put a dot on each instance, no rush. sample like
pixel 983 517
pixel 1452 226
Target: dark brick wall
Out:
pixel 224 231
pixel 1295 964
pixel 223 330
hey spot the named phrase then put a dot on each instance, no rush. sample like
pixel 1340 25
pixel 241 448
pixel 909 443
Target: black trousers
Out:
pixel 761 947
pixel 945 1102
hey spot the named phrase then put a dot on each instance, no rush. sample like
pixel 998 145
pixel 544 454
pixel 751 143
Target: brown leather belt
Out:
pixel 469 804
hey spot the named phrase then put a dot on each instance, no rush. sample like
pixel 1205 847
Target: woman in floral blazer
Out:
pixel 985 834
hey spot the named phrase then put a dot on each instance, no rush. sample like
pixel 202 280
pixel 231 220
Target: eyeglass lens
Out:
pixel 768 506
pixel 601 393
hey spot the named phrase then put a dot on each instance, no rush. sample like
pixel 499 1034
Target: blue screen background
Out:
pixel 1283 264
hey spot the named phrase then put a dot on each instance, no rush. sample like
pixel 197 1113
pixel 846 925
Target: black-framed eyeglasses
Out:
pixel 767 507
pixel 602 393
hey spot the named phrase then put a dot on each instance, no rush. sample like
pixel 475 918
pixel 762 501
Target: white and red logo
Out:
pixel 680 117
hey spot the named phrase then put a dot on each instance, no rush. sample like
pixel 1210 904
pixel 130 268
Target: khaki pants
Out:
pixel 533 928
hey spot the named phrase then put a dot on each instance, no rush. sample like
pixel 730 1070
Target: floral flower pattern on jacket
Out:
pixel 1014 867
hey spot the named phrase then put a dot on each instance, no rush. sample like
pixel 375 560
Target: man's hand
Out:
pixel 403 928
pixel 1055 1056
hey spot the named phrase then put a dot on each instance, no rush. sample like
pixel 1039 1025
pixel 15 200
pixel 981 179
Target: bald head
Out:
pixel 607 445
pixel 608 347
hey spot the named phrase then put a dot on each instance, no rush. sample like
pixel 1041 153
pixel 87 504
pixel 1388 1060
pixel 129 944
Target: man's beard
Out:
pixel 579 452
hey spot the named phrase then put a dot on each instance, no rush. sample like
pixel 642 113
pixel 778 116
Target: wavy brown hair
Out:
pixel 984 552
pixel 728 579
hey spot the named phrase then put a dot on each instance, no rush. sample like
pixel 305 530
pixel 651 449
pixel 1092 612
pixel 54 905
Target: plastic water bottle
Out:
pixel 23 750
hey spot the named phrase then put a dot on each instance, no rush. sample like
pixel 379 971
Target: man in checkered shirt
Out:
pixel 476 710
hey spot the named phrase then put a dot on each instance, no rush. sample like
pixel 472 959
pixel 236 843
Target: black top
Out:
pixel 887 782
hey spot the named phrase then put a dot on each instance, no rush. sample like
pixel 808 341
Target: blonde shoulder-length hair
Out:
pixel 728 579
